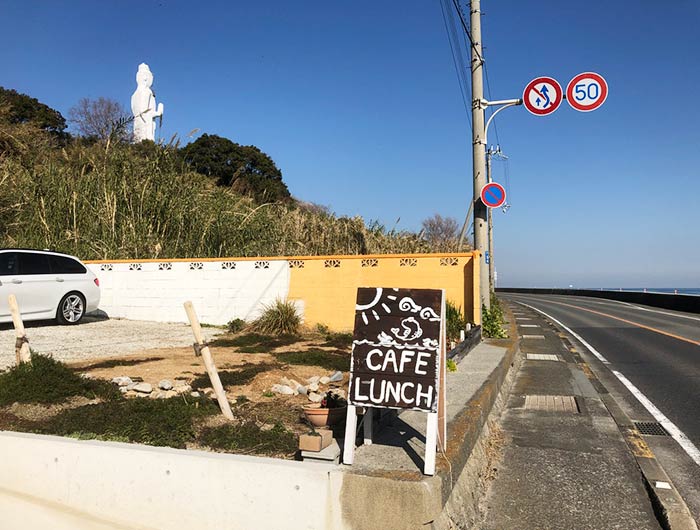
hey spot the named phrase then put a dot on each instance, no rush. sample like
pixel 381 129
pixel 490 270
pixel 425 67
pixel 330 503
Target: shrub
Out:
pixel 45 380
pixel 279 318
pixel 162 422
pixel 455 320
pixel 492 320
pixel 316 357
pixel 236 325
pixel 249 436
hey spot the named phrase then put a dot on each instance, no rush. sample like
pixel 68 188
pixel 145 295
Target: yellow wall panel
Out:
pixel 328 285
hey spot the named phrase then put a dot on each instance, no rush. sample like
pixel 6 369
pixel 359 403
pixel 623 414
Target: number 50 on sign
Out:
pixel 587 91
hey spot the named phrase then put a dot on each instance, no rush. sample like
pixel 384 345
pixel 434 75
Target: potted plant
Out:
pixel 328 412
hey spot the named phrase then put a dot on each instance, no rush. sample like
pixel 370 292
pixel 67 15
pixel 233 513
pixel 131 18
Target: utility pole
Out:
pixel 492 268
pixel 479 151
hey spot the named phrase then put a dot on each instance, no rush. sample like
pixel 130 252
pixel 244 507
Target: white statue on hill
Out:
pixel 143 106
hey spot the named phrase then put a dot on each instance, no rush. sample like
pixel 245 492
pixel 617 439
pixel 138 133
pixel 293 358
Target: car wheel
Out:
pixel 71 309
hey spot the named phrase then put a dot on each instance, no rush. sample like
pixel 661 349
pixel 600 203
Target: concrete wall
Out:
pixel 678 302
pixel 323 287
pixel 147 487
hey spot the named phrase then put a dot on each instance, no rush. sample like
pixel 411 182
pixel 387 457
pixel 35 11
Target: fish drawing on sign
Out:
pixel 411 329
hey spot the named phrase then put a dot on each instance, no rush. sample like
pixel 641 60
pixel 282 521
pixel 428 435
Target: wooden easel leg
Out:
pixel 431 444
pixel 367 423
pixel 350 432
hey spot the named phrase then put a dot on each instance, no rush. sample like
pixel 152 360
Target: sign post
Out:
pixel 398 362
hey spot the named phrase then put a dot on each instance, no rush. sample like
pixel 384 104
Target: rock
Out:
pixel 122 380
pixel 313 380
pixel 158 394
pixel 168 394
pixel 301 389
pixel 194 394
pixel 183 389
pixel 282 389
pixel 324 380
pixel 144 388
pixel 165 385
pixel 336 377
pixel 131 386
pixel 86 376
pixel 123 389
pixel 313 387
pixel 291 383
pixel 315 398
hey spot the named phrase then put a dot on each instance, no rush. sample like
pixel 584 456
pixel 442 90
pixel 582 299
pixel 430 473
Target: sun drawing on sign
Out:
pixel 369 307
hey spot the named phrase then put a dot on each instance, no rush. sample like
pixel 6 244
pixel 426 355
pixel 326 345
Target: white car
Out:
pixel 47 285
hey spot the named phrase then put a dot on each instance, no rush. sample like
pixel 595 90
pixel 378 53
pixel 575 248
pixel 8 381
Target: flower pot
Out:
pixel 319 417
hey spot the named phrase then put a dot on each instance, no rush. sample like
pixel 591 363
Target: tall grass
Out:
pixel 126 201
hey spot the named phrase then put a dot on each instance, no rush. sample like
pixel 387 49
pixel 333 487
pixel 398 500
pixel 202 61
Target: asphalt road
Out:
pixel 658 351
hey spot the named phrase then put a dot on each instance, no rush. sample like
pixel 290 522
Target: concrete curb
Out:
pixel 669 506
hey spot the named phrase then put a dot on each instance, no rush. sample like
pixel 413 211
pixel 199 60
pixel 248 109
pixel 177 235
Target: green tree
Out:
pixel 21 108
pixel 244 168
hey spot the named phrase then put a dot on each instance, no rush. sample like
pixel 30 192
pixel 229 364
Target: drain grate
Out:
pixel 542 357
pixel 552 403
pixel 650 428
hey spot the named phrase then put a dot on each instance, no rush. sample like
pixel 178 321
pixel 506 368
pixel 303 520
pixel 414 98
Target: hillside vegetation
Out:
pixel 111 199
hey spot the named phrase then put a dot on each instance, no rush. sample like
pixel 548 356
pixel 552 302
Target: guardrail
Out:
pixel 678 302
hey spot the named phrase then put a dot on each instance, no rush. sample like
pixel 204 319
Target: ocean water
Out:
pixel 667 290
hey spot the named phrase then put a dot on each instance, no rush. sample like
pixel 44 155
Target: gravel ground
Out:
pixel 97 337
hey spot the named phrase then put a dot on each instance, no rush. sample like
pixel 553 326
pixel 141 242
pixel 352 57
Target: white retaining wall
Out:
pixel 151 487
pixel 219 290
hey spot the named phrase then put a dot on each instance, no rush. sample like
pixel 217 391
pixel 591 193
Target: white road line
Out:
pixel 674 431
pixel 529 326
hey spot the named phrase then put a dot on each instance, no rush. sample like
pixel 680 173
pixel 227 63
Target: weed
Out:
pixel 339 340
pixel 492 320
pixel 45 380
pixel 230 377
pixel 455 321
pixel 249 437
pixel 278 318
pixel 255 341
pixel 241 400
pixel 119 362
pixel 451 365
pixel 316 357
pixel 268 394
pixel 163 422
pixel 236 325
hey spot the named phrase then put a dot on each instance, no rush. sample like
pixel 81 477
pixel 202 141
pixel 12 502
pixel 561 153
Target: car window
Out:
pixel 64 265
pixel 8 263
pixel 31 263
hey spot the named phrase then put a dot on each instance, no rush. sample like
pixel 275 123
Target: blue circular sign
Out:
pixel 493 195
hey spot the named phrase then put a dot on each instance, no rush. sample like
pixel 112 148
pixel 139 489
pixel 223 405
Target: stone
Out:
pixel 312 380
pixel 131 386
pixel 144 388
pixel 324 380
pixel 313 387
pixel 315 398
pixel 282 389
pixel 143 106
pixel 301 389
pixel 336 377
pixel 194 394
pixel 122 380
pixel 168 394
pixel 123 389
pixel 158 394
pixel 165 385
pixel 182 389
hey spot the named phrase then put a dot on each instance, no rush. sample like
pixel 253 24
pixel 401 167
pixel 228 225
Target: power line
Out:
pixel 466 29
pixel 460 68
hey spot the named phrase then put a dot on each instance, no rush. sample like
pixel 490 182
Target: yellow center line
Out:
pixel 660 331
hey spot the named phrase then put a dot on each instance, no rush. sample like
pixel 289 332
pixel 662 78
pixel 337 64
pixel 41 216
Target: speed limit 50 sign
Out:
pixel 587 91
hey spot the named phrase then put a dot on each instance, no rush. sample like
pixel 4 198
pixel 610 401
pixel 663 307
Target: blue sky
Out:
pixel 358 103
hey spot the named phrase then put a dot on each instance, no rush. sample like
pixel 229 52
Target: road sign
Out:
pixel 493 195
pixel 542 96
pixel 487 258
pixel 587 91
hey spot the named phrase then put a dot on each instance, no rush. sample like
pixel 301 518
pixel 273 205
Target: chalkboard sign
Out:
pixel 396 348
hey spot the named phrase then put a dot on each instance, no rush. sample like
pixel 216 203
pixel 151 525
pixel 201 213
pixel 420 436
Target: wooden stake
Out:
pixel 208 361
pixel 22 351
